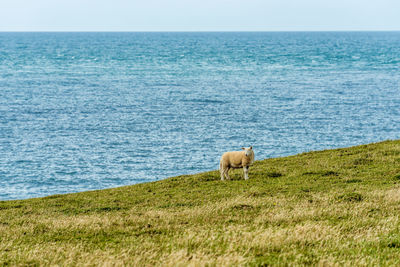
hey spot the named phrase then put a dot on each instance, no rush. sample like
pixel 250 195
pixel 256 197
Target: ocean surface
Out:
pixel 84 111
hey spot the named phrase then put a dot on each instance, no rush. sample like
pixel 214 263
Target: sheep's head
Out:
pixel 247 150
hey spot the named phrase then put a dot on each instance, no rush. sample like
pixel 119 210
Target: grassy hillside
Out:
pixel 329 207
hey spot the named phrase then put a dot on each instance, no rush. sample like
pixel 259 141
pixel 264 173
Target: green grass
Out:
pixel 332 207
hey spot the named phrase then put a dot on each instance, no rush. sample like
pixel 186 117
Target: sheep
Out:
pixel 236 159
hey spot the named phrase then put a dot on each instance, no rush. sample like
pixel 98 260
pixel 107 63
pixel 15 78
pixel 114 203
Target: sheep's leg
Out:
pixel 227 174
pixel 222 172
pixel 246 172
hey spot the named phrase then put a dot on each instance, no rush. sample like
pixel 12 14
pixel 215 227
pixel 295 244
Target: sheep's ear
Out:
pixel 243 148
pixel 251 147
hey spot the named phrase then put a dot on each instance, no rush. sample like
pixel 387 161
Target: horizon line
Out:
pixel 183 31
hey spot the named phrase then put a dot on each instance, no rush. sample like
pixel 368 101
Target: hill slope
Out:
pixel 334 206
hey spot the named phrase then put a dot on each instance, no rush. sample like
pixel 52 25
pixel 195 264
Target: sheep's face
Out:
pixel 247 151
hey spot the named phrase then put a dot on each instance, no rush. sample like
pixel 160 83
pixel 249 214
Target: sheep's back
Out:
pixel 233 158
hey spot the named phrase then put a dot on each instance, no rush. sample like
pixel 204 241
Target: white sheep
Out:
pixel 236 159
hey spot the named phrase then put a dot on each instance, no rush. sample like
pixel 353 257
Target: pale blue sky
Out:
pixel 199 15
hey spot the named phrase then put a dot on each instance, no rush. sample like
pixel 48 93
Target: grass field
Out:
pixel 332 207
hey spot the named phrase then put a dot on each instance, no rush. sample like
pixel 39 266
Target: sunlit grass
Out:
pixel 327 207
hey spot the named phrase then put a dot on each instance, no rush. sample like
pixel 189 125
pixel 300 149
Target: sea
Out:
pixel 92 110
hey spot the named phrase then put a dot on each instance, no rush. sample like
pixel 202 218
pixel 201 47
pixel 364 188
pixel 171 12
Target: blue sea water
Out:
pixel 84 111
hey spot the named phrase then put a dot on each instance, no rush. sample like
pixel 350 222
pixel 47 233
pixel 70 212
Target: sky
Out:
pixel 199 15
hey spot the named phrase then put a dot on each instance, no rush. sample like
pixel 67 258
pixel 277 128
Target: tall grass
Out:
pixel 332 207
